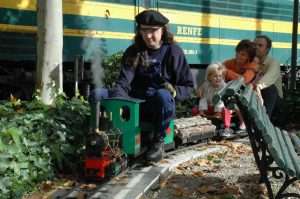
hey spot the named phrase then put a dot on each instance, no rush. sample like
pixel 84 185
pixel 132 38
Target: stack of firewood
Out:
pixel 193 129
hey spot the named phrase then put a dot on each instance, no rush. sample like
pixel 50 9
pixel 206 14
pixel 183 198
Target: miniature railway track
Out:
pixel 192 133
pixel 93 190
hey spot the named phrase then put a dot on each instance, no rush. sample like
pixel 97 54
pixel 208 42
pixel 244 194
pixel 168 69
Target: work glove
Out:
pixel 170 88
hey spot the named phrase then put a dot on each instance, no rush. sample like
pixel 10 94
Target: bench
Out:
pixel 276 151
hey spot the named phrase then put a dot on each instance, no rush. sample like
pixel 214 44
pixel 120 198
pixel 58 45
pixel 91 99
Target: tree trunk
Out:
pixel 49 49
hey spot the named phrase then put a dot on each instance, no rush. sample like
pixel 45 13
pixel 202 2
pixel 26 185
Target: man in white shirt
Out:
pixel 269 80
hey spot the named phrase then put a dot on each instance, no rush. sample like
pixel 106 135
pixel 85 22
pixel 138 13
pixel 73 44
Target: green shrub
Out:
pixel 36 141
pixel 111 66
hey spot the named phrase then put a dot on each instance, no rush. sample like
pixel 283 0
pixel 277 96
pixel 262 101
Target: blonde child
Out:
pixel 214 82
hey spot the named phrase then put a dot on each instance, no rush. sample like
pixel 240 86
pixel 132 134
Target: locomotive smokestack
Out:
pixel 95 115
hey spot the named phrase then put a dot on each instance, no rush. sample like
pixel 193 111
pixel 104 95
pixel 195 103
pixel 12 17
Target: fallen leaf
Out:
pixel 198 174
pixel 203 162
pixel 164 161
pixel 88 186
pixel 163 183
pixel 262 189
pixel 179 191
pixel 207 189
pixel 69 183
pixel 47 186
pixel 211 170
pixel 262 197
pixel 243 149
pixel 123 179
pixel 185 166
pixel 34 196
pixel 177 171
pixel 180 168
pixel 227 144
pixel 297 184
pixel 232 189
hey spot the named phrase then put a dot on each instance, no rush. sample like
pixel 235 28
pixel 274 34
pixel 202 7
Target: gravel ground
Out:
pixel 229 174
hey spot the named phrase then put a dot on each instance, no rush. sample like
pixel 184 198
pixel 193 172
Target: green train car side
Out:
pixel 207 30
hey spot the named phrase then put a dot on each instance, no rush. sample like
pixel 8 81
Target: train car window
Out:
pixel 125 113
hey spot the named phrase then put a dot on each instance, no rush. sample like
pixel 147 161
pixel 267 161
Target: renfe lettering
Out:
pixel 187 30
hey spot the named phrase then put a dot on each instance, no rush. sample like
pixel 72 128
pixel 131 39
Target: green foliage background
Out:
pixel 36 141
pixel 39 141
pixel 111 66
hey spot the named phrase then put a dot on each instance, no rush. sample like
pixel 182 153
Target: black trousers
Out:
pixel 270 97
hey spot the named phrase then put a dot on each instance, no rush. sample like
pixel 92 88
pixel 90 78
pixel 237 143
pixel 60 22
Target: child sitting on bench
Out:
pixel 214 82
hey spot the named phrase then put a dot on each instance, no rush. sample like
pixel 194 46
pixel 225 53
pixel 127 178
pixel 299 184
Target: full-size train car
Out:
pixel 207 30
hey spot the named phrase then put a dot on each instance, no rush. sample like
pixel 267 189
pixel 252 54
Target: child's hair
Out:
pixel 247 46
pixel 214 68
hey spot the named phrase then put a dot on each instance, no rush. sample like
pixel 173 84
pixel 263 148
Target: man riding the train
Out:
pixel 154 69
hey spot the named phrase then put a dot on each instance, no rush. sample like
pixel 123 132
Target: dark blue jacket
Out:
pixel 173 68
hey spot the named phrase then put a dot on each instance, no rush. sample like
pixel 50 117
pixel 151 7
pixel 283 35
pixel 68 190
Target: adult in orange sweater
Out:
pixel 244 63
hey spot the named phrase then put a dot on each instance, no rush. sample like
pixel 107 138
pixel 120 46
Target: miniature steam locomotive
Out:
pixel 117 135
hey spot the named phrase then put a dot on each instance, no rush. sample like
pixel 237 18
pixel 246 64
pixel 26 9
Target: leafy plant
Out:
pixel 184 108
pixel 111 66
pixel 36 141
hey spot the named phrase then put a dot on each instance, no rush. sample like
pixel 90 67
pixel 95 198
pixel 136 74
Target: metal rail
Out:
pixel 78 192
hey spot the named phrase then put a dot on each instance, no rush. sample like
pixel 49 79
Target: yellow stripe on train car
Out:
pixel 98 34
pixel 99 9
pixel 228 22
pixel 121 11
pixel 19 4
pixel 129 36
pixel 17 28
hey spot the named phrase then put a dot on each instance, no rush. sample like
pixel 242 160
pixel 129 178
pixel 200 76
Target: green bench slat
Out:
pixel 256 110
pixel 276 147
pixel 292 153
pixel 248 99
pixel 268 128
pixel 296 142
pixel 278 144
pixel 289 165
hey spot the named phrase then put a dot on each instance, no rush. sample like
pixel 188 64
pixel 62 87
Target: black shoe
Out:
pixel 156 152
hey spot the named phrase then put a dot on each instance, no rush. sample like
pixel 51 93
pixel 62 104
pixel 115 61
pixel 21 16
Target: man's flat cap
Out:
pixel 151 18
